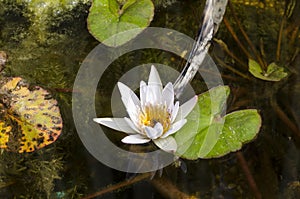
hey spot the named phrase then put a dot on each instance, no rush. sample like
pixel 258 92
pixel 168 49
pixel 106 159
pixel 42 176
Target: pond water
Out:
pixel 50 57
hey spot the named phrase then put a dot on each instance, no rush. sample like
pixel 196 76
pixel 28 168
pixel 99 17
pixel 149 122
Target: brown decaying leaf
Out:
pixel 30 117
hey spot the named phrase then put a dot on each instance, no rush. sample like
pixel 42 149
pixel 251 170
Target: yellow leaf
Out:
pixel 34 113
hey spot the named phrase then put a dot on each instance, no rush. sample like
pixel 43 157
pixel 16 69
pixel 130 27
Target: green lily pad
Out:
pixel 274 72
pixel 108 18
pixel 239 127
pixel 30 118
pixel 211 105
pixel 216 135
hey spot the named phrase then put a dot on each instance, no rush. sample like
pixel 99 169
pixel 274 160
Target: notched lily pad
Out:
pixel 217 134
pixel 274 72
pixel 107 18
pixel 30 118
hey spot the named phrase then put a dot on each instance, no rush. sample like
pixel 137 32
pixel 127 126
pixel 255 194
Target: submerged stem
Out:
pixel 248 174
pixel 117 186
pixel 168 190
pixel 279 39
pixel 294 129
pixel 235 37
pixel 222 63
pixel 257 55
pixel 232 55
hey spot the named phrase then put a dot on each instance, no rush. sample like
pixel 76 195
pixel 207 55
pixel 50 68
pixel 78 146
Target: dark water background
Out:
pixel 65 169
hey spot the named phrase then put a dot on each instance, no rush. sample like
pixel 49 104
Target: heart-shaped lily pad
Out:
pixel 107 18
pixel 274 72
pixel 216 135
pixel 30 118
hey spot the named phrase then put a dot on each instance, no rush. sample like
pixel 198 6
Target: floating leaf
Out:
pixel 215 135
pixel 274 72
pixel 202 134
pixel 5 130
pixel 31 118
pixel 110 17
pixel 239 127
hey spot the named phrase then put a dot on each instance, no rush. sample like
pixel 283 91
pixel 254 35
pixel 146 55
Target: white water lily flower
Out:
pixel 154 116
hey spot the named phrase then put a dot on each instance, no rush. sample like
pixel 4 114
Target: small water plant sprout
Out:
pixel 155 116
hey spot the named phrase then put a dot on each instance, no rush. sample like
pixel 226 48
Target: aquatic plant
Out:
pixel 269 157
pixel 41 14
pixel 257 63
pixel 154 116
pixel 263 56
pixel 206 133
pixel 107 18
pixel 273 72
pixel 39 18
pixel 218 133
pixel 30 174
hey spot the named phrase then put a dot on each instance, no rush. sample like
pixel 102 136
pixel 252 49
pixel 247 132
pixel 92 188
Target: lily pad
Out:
pixel 5 130
pixel 202 122
pixel 239 127
pixel 274 72
pixel 30 118
pixel 216 135
pixel 107 18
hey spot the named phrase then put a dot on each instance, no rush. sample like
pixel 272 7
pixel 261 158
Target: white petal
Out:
pixel 154 90
pixel 130 101
pixel 154 77
pixel 168 95
pixel 175 127
pixel 174 111
pixel 159 128
pixel 143 93
pixel 154 133
pixel 135 139
pixel 132 125
pixel 154 96
pixel 127 93
pixel 186 108
pixel 118 124
pixel 167 144
pixel 133 111
pixel 150 132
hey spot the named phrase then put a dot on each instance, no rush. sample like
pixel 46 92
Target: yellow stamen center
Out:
pixel 153 114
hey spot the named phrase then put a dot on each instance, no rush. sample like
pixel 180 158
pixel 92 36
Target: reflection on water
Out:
pixel 66 170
